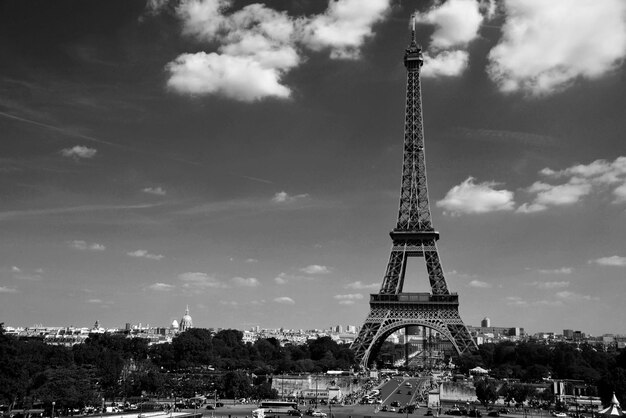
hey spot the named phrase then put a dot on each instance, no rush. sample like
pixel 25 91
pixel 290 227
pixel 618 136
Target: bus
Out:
pixel 279 407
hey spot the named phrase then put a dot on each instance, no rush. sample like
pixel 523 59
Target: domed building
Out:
pixel 185 323
pixel 174 325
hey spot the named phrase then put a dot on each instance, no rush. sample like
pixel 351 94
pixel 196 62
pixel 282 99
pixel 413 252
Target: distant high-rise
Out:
pixel 485 323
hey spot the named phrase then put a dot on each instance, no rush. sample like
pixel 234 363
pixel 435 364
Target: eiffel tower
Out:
pixel 413 236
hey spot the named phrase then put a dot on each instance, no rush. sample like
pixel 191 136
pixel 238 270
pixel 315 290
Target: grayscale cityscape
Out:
pixel 201 214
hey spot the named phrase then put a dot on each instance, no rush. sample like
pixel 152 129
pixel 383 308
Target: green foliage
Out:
pixel 113 365
pixel 532 361
pixel 486 391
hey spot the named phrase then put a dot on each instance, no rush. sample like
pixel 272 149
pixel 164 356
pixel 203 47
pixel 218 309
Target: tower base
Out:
pixel 390 312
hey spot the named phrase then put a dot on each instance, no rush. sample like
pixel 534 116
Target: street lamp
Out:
pixel 53 409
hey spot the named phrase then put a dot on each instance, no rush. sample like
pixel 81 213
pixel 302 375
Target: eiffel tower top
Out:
pixel 414 213
pixel 413 59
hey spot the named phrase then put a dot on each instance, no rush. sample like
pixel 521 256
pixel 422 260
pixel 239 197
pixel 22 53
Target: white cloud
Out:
pixel 358 285
pixel 159 191
pixel 98 301
pixel 285 300
pixel 4 289
pixel 578 181
pixel 562 270
pixel 550 285
pixel 480 284
pixel 352 296
pixel 21 274
pixel 256 49
pixel 469 197
pixel 315 269
pixel 456 23
pixel 199 281
pixel 284 197
pixel 79 151
pixel 568 296
pixel 620 194
pixel 281 278
pixel 348 299
pixel 85 246
pixel 251 260
pixel 239 78
pixel 344 26
pixel 284 278
pixel 445 63
pixel 249 282
pixel 552 303
pixel 144 254
pixel 257 45
pixel 547 45
pixel 614 260
pixel 161 287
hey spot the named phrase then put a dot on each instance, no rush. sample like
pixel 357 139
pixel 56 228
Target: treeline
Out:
pixel 531 362
pixel 113 366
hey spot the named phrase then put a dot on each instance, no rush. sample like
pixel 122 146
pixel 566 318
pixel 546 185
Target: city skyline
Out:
pixel 244 159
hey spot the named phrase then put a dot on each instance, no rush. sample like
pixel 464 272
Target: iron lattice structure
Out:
pixel 413 236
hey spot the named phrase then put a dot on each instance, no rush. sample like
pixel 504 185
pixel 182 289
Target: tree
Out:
pixel 236 384
pixel 486 391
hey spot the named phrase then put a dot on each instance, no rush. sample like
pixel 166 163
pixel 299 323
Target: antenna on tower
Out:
pixel 413 27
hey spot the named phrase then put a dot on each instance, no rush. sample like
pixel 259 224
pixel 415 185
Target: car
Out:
pixel 429 413
pixel 453 411
pixel 392 409
pixel 219 404
pixel 210 407
pixel 408 384
pixel 384 408
pixel 503 411
pixel 474 413
pixel 399 391
pixel 294 413
pixel 319 414
pixel 395 403
pixel 493 414
pixel 559 414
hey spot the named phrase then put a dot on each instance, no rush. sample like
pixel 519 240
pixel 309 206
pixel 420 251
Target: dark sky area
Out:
pixel 244 159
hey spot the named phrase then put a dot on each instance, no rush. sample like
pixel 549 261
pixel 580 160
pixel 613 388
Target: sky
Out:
pixel 244 159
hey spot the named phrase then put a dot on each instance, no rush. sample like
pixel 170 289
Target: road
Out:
pixel 352 411
pixel 404 390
